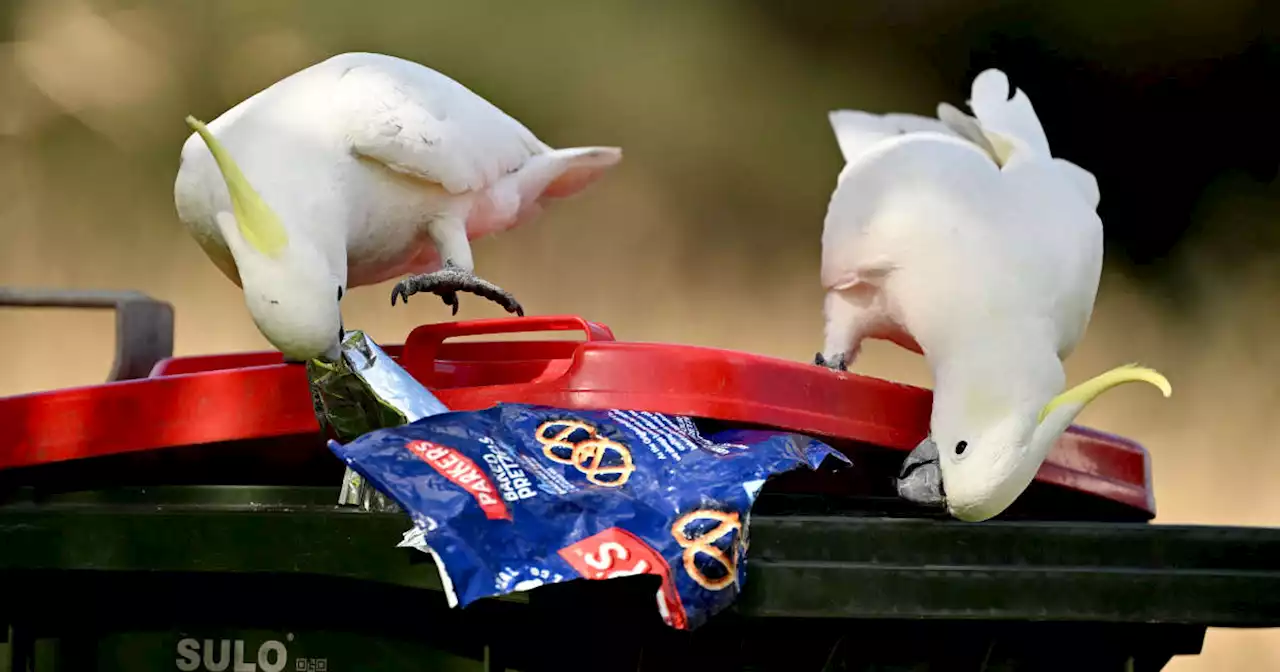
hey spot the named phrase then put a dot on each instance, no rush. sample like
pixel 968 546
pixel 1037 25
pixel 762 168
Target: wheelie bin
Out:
pixel 183 516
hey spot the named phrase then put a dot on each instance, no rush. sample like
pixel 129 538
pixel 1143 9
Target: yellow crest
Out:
pixel 1089 390
pixel 260 226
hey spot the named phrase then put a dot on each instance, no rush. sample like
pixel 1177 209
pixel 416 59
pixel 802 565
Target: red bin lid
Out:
pixel 228 397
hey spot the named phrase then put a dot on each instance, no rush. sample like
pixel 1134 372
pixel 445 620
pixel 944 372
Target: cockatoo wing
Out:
pixel 863 232
pixel 419 122
pixel 966 127
pixel 1083 180
pixel 873 145
pixel 857 131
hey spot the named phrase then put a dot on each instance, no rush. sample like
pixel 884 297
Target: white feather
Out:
pixel 416 121
pixel 1012 117
pixel 963 238
pixel 373 160
pixel 857 131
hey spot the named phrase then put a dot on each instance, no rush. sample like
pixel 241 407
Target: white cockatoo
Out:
pixel 356 170
pixel 965 240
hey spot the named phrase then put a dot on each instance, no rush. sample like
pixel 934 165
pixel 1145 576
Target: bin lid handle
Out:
pixel 144 326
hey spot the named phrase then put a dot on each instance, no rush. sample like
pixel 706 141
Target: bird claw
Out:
pixel 836 363
pixel 448 281
pixel 450 299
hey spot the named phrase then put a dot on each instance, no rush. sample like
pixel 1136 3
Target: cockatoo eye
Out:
pixel 960 448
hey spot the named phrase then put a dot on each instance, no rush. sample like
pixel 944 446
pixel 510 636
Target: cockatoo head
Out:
pixel 292 294
pixel 987 442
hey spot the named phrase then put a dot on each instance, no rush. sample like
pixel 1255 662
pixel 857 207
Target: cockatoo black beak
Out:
pixel 920 478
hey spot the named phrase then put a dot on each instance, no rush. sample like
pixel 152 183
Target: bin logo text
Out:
pixel 233 655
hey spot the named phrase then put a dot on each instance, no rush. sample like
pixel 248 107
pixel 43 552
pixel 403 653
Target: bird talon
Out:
pixel 449 281
pixel 837 363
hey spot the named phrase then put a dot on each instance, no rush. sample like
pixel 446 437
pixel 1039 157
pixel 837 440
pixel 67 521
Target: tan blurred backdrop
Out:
pixel 707 233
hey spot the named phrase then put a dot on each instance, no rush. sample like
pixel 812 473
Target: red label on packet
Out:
pixel 616 552
pixel 464 473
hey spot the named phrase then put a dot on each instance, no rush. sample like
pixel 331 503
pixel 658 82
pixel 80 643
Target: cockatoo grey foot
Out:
pixel 448 281
pixel 838 362
pixel 920 478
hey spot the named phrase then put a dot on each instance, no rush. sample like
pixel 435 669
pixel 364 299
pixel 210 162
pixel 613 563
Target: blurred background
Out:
pixel 708 232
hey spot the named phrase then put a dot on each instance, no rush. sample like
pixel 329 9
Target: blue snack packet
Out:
pixel 516 496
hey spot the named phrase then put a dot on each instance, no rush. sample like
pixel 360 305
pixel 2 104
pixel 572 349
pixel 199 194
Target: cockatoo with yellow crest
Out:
pixel 356 170
pixel 962 238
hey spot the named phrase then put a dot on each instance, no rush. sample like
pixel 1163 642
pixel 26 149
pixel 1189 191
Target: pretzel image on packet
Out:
pixel 703 542
pixel 588 452
pixel 516 496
